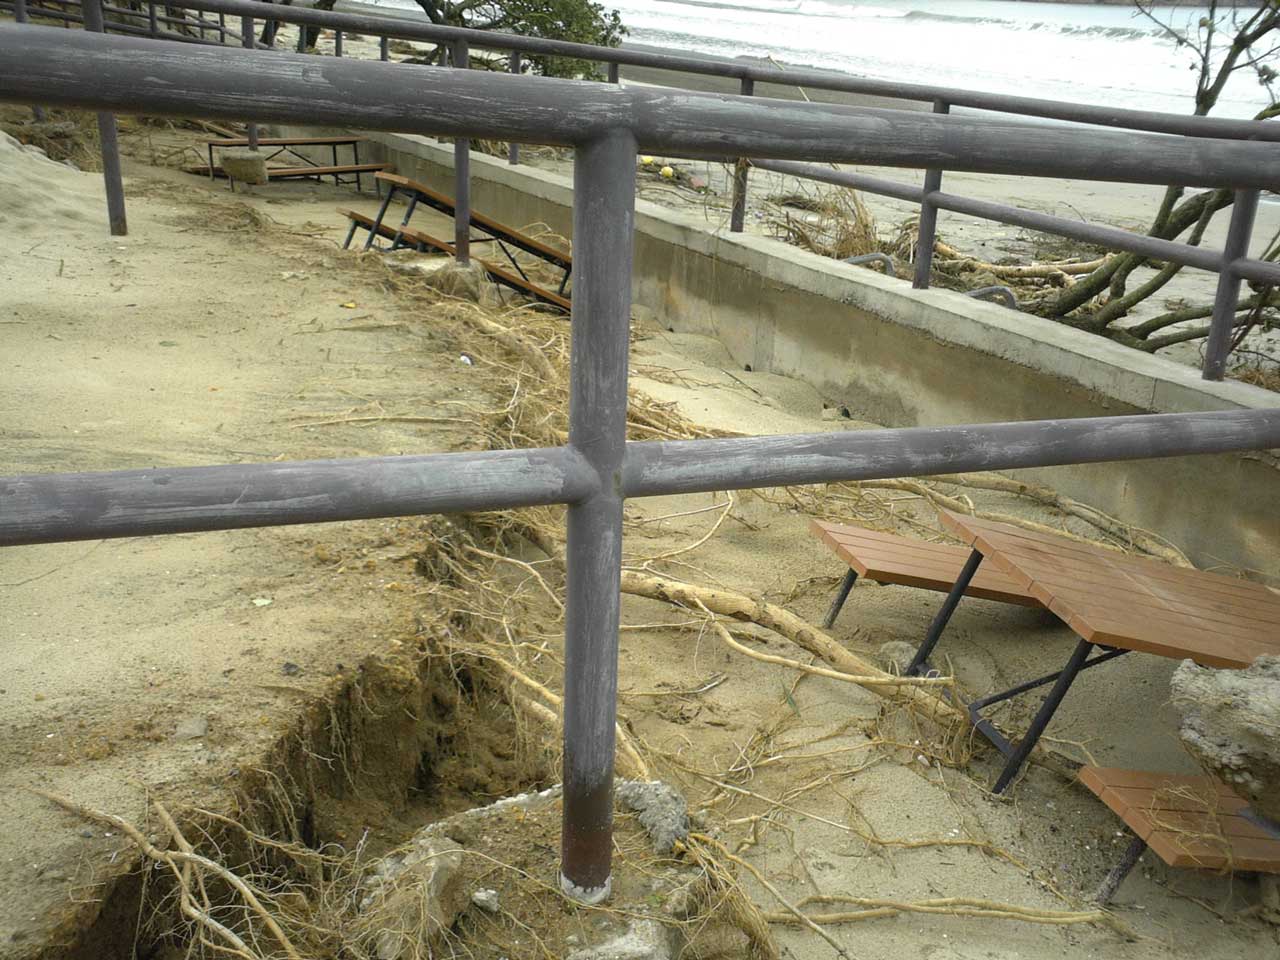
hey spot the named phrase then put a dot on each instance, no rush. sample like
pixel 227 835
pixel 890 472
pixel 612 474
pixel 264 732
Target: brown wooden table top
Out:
pixel 888 558
pixel 1117 600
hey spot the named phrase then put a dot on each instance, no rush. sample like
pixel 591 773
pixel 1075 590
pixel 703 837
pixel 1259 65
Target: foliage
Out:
pixel 1229 39
pixel 579 21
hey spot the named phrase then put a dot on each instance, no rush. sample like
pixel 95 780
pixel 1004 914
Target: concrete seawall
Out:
pixel 910 358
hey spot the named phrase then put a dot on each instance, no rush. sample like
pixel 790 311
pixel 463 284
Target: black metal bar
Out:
pixel 988 729
pixel 841 596
pixel 1227 297
pixel 110 139
pixel 943 616
pixel 928 229
pixel 1047 709
pixel 337 43
pixel 251 129
pixel 1111 883
pixel 383 47
pixel 513 148
pixel 408 213
pixel 885 261
pixel 462 172
pixel 382 212
pixel 20 16
pixel 152 24
pixel 613 73
pixel 741 167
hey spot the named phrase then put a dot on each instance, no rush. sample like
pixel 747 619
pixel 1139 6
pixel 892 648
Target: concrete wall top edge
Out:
pixel 1127 376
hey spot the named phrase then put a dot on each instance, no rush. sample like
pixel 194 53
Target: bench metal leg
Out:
pixel 211 176
pixel 841 596
pixel 377 221
pixel 346 244
pixel 944 613
pixel 398 238
pixel 1111 883
pixel 1046 712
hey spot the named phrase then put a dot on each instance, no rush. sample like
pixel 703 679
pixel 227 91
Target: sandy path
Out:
pixel 204 338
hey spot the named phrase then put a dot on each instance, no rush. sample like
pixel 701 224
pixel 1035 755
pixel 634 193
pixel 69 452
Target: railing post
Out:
pixel 384 48
pixel 603 221
pixel 153 24
pixel 337 43
pixel 613 73
pixel 247 41
pixel 928 217
pixel 738 213
pixel 107 133
pixel 1227 298
pixel 20 16
pixel 513 148
pixel 462 172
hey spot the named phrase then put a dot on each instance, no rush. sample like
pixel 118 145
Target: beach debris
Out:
pixel 662 811
pixel 261 601
pixel 244 165
pixel 414 897
pixel 1229 724
pixel 487 900
pixel 192 728
pixel 644 940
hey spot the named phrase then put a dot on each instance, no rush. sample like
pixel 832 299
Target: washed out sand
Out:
pixel 185 669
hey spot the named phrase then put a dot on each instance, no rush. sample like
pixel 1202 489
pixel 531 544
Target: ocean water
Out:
pixel 1082 52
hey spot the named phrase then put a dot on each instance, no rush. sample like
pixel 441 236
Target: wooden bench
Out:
pixel 890 559
pixel 407 236
pixel 1195 822
pixel 495 228
pixel 289 145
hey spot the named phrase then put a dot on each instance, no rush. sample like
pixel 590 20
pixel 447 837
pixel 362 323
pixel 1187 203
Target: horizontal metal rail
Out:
pixel 49 64
pixel 1262 271
pixel 59 507
pixel 598 469
pixel 403 28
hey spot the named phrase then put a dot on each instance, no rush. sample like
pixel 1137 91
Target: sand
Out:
pixel 220 331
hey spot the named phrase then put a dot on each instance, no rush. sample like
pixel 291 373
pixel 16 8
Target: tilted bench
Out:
pixel 1195 822
pixel 406 236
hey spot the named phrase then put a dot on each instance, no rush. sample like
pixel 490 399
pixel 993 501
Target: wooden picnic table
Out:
pixel 1113 601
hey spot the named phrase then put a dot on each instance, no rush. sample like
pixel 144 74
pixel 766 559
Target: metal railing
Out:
pixel 598 468
pixel 1232 266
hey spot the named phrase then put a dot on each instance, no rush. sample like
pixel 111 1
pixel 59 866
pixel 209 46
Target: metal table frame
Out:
pixel 1015 753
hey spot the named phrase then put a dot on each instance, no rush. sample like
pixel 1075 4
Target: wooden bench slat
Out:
pixel 1249 616
pixel 1255 601
pixel 286 141
pixel 281 172
pixel 417 236
pixel 1065 551
pixel 486 223
pixel 888 558
pixel 1134 609
pixel 1185 837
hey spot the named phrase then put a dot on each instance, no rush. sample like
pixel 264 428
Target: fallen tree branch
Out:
pixel 801 633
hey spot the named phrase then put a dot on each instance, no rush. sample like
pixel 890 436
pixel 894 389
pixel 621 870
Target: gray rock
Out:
pixel 469 282
pixel 644 940
pixel 662 811
pixel 897 655
pixel 1229 724
pixel 414 897
pixel 192 728
pixel 244 165
pixel 486 900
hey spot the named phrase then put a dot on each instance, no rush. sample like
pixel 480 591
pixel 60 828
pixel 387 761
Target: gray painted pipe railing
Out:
pixel 598 469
